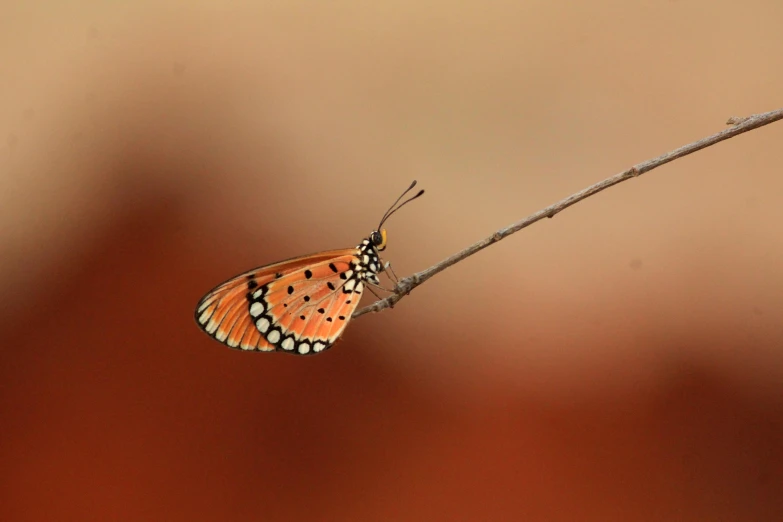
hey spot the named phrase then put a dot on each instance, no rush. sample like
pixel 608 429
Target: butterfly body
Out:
pixel 301 305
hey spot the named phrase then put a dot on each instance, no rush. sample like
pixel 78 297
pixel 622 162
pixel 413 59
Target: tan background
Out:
pixel 622 361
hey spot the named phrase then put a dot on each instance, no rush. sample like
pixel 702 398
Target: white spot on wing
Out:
pixel 204 317
pixel 365 259
pixel 262 325
pixel 233 343
pixel 212 326
pixel 203 306
pixel 256 309
pixel 288 344
pixel 221 336
pixel 318 346
pixel 350 284
pixel 359 287
pixel 348 274
pixel 273 336
pixel 258 293
pixel 304 348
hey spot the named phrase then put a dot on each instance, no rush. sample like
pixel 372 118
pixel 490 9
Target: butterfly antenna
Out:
pixel 392 209
pixel 397 201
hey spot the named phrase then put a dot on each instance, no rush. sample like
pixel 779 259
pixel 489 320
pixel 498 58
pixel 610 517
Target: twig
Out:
pixel 739 126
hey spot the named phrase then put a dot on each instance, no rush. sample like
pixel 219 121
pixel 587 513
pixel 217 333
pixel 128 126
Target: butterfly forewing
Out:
pixel 301 305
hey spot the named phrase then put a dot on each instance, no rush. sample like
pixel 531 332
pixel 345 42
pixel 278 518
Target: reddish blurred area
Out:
pixel 621 362
pixel 116 406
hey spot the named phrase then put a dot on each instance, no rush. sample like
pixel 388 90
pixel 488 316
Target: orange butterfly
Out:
pixel 299 306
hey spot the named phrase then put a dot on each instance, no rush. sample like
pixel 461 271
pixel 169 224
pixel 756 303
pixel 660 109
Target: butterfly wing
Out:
pixel 301 305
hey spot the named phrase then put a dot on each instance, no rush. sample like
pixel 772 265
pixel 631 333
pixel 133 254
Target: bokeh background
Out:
pixel 623 361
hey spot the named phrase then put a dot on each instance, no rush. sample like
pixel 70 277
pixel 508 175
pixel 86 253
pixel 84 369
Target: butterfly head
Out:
pixel 378 239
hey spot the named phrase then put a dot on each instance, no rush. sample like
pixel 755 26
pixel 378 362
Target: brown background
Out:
pixel 622 361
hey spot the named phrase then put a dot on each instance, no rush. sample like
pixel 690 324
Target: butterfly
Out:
pixel 300 305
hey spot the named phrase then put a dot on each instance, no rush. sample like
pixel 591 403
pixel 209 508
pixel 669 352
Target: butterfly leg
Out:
pixel 389 270
pixel 386 267
pixel 371 284
pixel 374 292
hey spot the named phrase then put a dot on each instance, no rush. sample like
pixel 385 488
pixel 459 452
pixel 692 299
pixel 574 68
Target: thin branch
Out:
pixel 739 126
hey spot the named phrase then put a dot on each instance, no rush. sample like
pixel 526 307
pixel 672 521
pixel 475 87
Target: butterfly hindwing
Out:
pixel 263 309
pixel 311 306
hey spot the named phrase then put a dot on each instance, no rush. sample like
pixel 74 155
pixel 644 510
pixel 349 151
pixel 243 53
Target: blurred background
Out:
pixel 623 361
